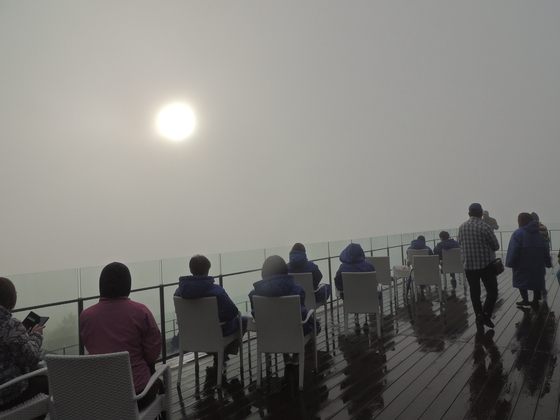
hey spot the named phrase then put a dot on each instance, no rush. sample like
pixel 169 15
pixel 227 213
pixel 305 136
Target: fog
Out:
pixel 316 121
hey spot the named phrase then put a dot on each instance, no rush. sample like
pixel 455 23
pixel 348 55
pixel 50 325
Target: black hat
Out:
pixel 115 280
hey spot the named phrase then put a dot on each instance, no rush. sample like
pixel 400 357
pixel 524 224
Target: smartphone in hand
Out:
pixel 33 319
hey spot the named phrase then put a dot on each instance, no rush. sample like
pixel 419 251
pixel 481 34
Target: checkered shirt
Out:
pixel 478 244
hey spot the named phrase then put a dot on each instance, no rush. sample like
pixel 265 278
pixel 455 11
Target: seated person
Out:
pixel 446 243
pixel 300 264
pixel 117 323
pixel 200 285
pixel 277 282
pixel 353 260
pixel 420 243
pixel 20 352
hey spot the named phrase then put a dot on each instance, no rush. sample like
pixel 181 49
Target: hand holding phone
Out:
pixel 33 320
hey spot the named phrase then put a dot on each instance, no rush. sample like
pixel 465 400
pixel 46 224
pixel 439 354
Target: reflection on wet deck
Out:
pixel 430 364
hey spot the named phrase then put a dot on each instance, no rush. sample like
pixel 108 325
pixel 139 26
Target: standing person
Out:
pixel 490 221
pixel 200 285
pixel 117 323
pixel 300 264
pixel 20 352
pixel 479 245
pixel 542 228
pixel 529 256
pixel 353 259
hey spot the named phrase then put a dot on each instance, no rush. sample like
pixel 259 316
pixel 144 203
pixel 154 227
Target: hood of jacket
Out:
pixel 273 286
pixel 417 244
pixel 352 254
pixel 298 259
pixel 196 286
pixel 532 227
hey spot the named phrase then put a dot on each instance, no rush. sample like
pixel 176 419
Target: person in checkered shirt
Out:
pixel 478 251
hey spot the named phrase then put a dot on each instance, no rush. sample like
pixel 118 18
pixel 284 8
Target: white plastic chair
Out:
pixel 279 330
pixel 305 280
pixel 360 296
pixel 382 267
pixel 95 387
pixel 451 263
pixel 426 273
pixel 411 253
pixel 200 330
pixel 31 408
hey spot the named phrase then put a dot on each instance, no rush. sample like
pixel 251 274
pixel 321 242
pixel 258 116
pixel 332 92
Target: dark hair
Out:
pixel 298 247
pixel 8 295
pixel 115 280
pixel 421 238
pixel 524 219
pixel 273 265
pixel 199 265
pixel 443 235
pixel 535 216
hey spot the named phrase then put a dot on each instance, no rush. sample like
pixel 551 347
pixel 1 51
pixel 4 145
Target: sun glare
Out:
pixel 176 121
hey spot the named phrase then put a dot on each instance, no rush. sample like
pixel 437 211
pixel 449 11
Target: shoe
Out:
pixel 523 303
pixel 485 319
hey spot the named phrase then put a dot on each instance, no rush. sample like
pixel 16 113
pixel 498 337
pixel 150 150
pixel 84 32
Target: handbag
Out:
pixel 498 266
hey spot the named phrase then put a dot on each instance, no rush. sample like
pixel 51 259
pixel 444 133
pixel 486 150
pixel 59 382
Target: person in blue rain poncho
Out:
pixel 200 285
pixel 353 259
pixel 277 282
pixel 528 255
pixel 300 264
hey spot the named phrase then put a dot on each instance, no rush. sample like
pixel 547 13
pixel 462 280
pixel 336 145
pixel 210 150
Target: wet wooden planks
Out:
pixel 430 364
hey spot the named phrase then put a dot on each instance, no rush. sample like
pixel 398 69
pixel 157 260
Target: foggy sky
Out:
pixel 316 121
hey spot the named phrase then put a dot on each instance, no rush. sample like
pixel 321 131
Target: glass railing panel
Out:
pixel 61 330
pixel 317 251
pixel 283 251
pixel 47 287
pixel 235 262
pixel 379 243
pixel 336 247
pixel 239 286
pixel 365 243
pixel 407 239
pixel 394 240
pixel 145 273
pixel 173 268
pixel 89 281
pixel 395 256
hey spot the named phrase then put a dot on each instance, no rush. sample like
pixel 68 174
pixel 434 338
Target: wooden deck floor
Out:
pixel 430 364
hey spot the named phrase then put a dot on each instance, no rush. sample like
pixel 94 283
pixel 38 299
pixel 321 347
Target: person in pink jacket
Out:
pixel 117 323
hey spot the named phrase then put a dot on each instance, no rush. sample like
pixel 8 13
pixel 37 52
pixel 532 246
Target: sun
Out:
pixel 176 121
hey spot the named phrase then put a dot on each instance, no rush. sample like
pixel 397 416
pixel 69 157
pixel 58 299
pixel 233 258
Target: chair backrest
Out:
pixel 305 280
pixel 91 387
pixel 426 270
pixel 199 324
pixel 451 261
pixel 411 253
pixel 278 320
pixel 360 292
pixel 382 267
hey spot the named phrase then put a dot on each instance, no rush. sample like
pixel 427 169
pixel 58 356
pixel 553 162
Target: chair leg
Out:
pixel 219 369
pixel 301 367
pixel 379 316
pixel 259 369
pixel 346 325
pixel 180 368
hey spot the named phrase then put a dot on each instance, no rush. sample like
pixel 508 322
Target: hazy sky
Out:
pixel 316 121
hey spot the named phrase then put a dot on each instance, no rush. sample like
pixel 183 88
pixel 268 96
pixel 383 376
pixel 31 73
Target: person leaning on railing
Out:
pixel 20 352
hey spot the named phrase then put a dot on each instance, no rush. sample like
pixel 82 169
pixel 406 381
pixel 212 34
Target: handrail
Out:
pixel 79 301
